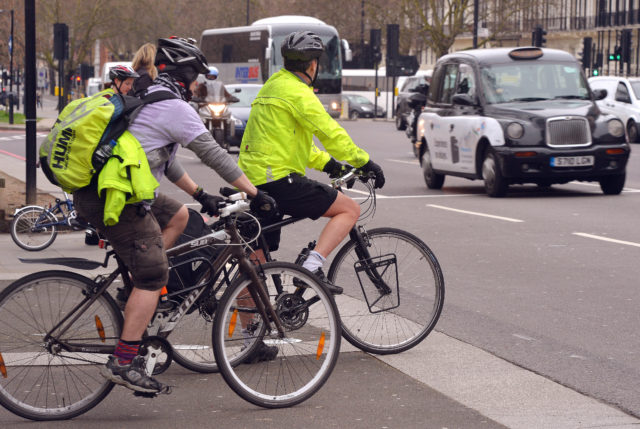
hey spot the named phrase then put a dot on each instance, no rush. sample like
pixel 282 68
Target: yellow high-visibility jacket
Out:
pixel 126 178
pixel 278 139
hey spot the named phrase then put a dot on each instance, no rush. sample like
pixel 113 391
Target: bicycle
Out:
pixel 376 268
pixel 35 228
pixel 59 327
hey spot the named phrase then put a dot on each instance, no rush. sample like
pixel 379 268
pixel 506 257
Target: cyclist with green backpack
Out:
pixel 144 230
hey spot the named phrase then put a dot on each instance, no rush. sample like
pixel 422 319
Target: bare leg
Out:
pixel 344 213
pixel 138 312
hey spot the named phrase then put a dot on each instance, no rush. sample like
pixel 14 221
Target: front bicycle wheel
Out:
pixel 393 291
pixel 306 354
pixel 41 378
pixel 33 228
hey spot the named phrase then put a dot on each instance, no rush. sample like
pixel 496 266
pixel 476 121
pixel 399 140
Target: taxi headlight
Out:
pixel 515 130
pixel 616 128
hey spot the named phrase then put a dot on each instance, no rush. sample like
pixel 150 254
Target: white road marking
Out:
pixel 508 219
pixel 401 161
pixel 610 240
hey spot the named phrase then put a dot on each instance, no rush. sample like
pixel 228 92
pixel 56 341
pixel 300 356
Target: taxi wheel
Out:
pixel 433 180
pixel 353 115
pixel 612 185
pixel 632 132
pixel 494 184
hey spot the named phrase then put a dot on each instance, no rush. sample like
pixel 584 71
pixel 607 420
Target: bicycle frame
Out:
pixel 233 250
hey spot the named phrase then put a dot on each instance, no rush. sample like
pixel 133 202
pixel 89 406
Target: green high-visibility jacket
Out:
pixel 278 139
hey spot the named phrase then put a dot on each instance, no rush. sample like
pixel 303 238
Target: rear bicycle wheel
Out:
pixel 307 353
pixel 33 228
pixel 40 379
pixel 401 317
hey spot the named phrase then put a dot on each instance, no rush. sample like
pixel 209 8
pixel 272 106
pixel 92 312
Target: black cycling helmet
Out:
pixel 176 53
pixel 122 72
pixel 302 46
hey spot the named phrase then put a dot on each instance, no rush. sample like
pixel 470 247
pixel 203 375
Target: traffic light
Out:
pixel 86 71
pixel 537 37
pixel 376 37
pixel 586 52
pixel 596 72
pixel 616 55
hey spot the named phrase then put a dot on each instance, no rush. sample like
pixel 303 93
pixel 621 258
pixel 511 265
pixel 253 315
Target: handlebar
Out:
pixel 350 177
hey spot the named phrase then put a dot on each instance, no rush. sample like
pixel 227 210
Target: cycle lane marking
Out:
pixel 508 219
pixel 610 240
pixel 21 158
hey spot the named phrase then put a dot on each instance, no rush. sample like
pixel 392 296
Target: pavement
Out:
pixel 441 383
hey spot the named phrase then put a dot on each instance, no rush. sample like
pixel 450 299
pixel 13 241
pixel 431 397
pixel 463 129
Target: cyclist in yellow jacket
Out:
pixel 277 147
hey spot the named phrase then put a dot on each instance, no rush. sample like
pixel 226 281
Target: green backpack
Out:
pixel 87 129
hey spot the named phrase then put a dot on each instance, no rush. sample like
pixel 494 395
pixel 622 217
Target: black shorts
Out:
pixel 298 196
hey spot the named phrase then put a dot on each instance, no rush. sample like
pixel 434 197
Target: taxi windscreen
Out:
pixel 532 81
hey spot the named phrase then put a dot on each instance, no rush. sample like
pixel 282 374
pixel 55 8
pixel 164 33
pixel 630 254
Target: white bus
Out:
pixel 251 54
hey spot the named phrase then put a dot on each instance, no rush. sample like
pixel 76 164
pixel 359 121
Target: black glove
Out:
pixel 209 202
pixel 263 205
pixel 377 171
pixel 334 168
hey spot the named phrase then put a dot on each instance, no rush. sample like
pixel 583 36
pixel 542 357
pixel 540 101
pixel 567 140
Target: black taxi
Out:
pixel 518 115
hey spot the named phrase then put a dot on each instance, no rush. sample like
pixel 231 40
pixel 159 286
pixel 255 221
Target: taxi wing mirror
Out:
pixel 599 94
pixel 463 100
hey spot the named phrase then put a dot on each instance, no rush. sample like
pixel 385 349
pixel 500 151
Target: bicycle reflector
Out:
pixel 232 322
pixel 320 346
pixel 100 328
pixel 3 368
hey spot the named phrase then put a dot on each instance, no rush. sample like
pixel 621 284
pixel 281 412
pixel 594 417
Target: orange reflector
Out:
pixel 101 244
pixel 615 151
pixel 100 328
pixel 320 346
pixel 232 322
pixel 3 368
pixel 525 154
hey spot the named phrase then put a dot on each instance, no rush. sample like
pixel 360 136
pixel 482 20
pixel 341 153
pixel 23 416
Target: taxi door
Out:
pixel 452 142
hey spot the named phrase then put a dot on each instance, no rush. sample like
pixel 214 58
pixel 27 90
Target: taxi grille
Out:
pixel 568 131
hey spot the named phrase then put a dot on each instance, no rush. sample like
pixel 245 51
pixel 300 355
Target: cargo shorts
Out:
pixel 137 237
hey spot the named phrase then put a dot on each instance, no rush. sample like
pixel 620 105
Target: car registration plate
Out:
pixel 572 161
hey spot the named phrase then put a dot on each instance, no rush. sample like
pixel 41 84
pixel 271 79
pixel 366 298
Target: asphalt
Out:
pixel 441 383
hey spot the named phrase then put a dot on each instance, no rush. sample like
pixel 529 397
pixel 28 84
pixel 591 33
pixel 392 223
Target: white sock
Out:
pixel 314 261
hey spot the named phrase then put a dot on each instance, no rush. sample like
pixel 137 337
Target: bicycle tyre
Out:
pixel 306 356
pixel 40 382
pixel 23 233
pixel 401 319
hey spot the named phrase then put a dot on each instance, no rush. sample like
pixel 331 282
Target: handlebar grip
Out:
pixel 226 191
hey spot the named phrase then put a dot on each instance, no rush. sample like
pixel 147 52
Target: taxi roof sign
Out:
pixel 525 53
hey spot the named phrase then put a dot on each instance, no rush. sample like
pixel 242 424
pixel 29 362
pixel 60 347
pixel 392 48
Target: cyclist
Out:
pixel 214 90
pixel 144 231
pixel 122 78
pixel 277 146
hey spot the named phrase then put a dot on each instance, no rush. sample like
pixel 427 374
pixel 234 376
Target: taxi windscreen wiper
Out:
pixel 530 99
pixel 570 97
